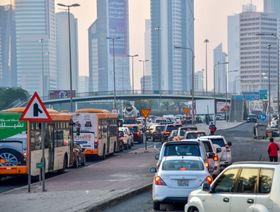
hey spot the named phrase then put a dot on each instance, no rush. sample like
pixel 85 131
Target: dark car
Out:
pixel 252 118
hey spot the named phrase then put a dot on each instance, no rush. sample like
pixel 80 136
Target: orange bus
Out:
pixel 13 142
pixel 96 131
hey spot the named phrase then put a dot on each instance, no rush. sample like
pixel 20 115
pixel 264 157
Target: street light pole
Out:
pixel 132 67
pixel 192 90
pixel 143 61
pixel 42 49
pixel 269 95
pixel 206 41
pixel 114 68
pixel 70 57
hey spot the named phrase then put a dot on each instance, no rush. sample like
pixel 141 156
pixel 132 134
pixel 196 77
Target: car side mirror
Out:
pixel 206 187
pixel 153 170
pixel 210 155
pixel 218 150
pixel 157 156
pixel 229 143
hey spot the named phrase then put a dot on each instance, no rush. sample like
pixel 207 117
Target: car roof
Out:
pixel 182 158
pixel 181 142
pixel 255 164
pixel 211 136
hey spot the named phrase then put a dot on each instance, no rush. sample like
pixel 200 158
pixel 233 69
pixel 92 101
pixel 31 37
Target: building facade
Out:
pixel 7 47
pixel 220 69
pixel 258 54
pixel 63 54
pixel 109 47
pixel 233 54
pixel 272 6
pixel 199 81
pixel 83 84
pixel 172 24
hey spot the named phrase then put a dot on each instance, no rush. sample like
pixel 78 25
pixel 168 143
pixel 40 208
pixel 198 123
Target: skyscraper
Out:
pixel 112 22
pixel 172 24
pixel 220 69
pixel 35 45
pixel 7 47
pixel 233 54
pixel 256 59
pixel 62 51
pixel 272 6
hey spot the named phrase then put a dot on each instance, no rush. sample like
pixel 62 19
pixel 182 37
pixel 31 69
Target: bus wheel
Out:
pixel 104 154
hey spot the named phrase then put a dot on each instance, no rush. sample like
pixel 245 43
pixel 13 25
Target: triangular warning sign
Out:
pixel 35 110
pixel 145 112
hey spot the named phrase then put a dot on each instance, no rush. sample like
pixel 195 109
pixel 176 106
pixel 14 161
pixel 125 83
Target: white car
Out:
pixel 241 187
pixel 126 136
pixel 176 177
pixel 225 154
pixel 213 151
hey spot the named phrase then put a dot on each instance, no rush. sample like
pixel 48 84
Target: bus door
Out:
pixel 108 139
pixel 51 146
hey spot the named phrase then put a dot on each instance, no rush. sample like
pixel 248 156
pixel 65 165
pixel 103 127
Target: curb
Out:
pixel 115 200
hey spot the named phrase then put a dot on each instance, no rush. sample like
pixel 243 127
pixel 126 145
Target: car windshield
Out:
pixel 218 141
pixel 192 135
pixel 182 150
pixel 171 127
pixel 182 165
pixel 160 128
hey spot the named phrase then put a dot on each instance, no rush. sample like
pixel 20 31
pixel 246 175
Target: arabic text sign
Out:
pixel 10 125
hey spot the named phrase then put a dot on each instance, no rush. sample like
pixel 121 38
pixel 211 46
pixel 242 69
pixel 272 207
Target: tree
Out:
pixel 12 97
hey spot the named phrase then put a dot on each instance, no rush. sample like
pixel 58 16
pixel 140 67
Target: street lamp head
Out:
pixel 206 41
pixel 62 5
pixel 71 5
pixel 75 5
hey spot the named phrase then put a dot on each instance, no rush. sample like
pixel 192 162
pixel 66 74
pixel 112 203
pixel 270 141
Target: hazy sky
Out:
pixel 210 23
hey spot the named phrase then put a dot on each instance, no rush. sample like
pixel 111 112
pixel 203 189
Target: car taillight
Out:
pixel 209 180
pixel 216 157
pixel 159 181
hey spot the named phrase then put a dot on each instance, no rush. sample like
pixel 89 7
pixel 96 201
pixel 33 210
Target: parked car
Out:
pixel 79 157
pixel 212 151
pixel 243 186
pixel 225 154
pixel 176 177
pixel 182 148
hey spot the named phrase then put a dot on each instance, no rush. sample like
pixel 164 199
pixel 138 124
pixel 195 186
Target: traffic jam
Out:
pixel 193 167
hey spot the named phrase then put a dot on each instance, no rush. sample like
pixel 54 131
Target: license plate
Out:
pixel 183 182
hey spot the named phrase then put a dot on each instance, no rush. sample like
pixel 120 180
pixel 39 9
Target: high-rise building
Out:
pixel 7 47
pixel 109 42
pixel 62 51
pixel 272 6
pixel 172 24
pixel 198 81
pixel 83 84
pixel 148 66
pixel 220 69
pixel 233 54
pixel 257 60
pixel 36 45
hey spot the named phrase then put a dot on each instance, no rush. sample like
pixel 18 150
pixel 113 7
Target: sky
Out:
pixel 210 23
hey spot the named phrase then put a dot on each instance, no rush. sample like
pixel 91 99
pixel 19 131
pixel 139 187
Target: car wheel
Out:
pixel 83 163
pixel 156 206
pixel 11 157
pixel 193 209
pixel 76 163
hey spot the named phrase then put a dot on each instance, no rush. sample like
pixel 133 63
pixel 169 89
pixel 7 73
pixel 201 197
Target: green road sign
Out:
pixel 263 94
pixel 39 165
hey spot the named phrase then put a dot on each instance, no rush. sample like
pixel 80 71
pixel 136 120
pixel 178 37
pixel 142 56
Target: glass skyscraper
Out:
pixel 172 24
pixel 272 6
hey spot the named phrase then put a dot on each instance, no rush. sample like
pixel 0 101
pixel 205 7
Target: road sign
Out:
pixel 35 110
pixel 263 94
pixel 186 110
pixel 145 112
pixel 251 95
pixel 262 116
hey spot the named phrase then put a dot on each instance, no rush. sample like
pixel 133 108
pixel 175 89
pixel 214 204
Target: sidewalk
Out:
pixel 86 188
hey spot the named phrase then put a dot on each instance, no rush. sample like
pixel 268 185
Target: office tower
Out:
pixel 108 35
pixel 256 58
pixel 198 81
pixel 83 84
pixel 172 24
pixel 148 66
pixel 62 51
pixel 7 47
pixel 35 45
pixel 220 69
pixel 272 6
pixel 233 54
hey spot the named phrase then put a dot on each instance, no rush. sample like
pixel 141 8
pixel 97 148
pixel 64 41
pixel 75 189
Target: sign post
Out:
pixel 145 112
pixel 36 111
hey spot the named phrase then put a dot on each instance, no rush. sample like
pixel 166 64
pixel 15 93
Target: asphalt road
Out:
pixel 9 183
pixel 244 148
